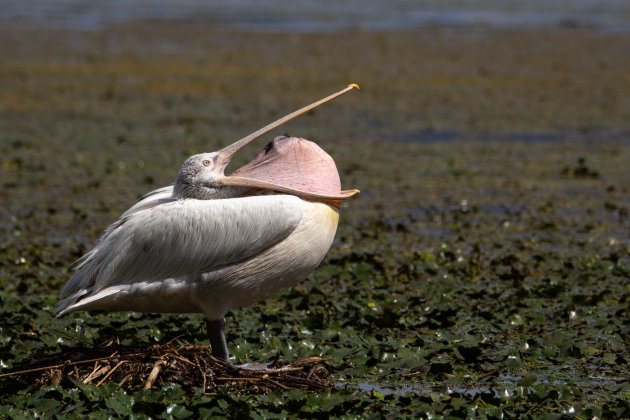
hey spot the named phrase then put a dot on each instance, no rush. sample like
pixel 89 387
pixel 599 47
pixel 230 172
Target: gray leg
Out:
pixel 217 339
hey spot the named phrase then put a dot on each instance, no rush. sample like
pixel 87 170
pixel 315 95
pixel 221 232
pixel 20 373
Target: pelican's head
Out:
pixel 287 165
pixel 199 177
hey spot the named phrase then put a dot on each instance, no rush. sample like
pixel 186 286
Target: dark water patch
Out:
pixel 428 135
pixel 421 389
pixel 386 389
pixel 504 387
pixel 535 137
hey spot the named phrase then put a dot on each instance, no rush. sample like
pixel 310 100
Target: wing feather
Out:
pixel 156 197
pixel 163 238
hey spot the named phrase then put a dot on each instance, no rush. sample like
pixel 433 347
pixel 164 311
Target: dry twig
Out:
pixel 157 367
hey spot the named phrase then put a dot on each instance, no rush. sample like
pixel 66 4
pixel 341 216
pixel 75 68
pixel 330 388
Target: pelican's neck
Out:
pixel 183 190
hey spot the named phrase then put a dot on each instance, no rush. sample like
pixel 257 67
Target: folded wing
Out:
pixel 163 239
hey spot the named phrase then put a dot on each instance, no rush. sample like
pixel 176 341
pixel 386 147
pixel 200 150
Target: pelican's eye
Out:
pixel 206 162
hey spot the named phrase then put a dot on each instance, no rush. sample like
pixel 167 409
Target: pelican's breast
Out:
pixel 279 267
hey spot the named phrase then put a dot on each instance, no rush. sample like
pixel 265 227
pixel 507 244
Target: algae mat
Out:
pixel 483 271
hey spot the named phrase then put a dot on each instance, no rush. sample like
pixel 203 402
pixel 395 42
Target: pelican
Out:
pixel 212 242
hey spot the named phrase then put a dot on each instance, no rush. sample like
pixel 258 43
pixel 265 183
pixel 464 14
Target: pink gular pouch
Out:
pixel 295 166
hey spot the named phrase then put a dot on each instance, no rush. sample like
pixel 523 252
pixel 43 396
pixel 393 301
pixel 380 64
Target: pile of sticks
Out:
pixel 191 366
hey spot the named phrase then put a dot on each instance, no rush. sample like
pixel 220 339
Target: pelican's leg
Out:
pixel 217 338
pixel 219 347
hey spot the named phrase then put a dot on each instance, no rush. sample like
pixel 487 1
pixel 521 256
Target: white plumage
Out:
pixel 168 255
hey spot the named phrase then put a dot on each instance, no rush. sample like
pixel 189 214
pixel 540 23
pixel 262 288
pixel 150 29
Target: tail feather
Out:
pixel 65 305
pixel 83 299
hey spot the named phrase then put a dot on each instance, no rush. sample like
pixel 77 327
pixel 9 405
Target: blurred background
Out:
pixel 321 16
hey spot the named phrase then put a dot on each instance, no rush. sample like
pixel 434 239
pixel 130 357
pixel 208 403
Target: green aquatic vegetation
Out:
pixel 483 271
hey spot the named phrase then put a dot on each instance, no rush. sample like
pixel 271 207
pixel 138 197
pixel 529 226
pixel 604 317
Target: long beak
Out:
pixel 225 154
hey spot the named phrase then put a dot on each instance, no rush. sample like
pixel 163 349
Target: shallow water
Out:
pixel 322 16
